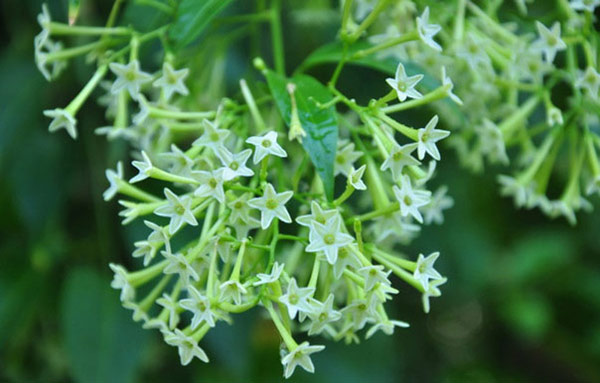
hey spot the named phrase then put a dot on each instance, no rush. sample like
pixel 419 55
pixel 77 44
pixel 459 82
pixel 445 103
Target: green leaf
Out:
pixel 320 124
pixel 192 18
pixel 103 343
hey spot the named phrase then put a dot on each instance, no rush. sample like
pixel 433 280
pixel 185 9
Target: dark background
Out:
pixel 522 303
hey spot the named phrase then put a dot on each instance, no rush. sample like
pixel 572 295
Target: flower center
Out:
pixel 234 165
pixel 130 76
pixel 402 86
pixel 212 183
pixel 407 201
pixel 266 143
pixel 271 203
pixel 294 299
pixel 323 317
pixel 238 205
pixel 398 156
pixel 329 239
pixel 179 209
pixel 214 137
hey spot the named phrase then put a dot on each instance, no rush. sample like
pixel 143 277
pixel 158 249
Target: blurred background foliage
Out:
pixel 522 302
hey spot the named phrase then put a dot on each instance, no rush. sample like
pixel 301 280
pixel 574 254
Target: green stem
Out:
pixel 277 37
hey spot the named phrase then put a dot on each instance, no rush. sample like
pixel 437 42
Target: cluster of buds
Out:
pixel 243 220
pixel 530 95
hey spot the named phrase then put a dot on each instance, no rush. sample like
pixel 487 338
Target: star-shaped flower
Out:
pixel 427 31
pixel 62 118
pixel 549 42
pixel 180 163
pixel 582 5
pixel 265 145
pixel 590 81
pixel 447 81
pixel 178 264
pixel 234 164
pixel 322 314
pixel 433 212
pixel 240 210
pixel 424 270
pixel 387 326
pixel 432 291
pixel 400 156
pixel 172 81
pixel 317 214
pixel 344 158
pixel 172 306
pixel 300 357
pixel 199 305
pixel 272 205
pixel 149 247
pixel 296 299
pixel 404 85
pixel 188 347
pixel 428 136
pixel 143 167
pixel 129 77
pixel 114 178
pixel 211 184
pixel 178 209
pixel 373 275
pixel 232 290
pixel 213 137
pixel 411 199
pixel 121 282
pixel 328 238
pixel 355 178
pixel 345 258
pixel 271 277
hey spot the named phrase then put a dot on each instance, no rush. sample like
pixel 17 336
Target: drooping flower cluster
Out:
pixel 513 84
pixel 242 219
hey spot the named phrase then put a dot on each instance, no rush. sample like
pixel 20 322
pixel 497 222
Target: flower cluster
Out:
pixel 241 219
pixel 513 82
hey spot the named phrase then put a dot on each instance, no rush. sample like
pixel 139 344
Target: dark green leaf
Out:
pixel 193 16
pixel 103 343
pixel 320 124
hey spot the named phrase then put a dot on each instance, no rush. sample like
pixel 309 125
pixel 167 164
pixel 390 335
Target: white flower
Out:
pixel 211 184
pixel 344 159
pixel 272 205
pixel 234 164
pixel 317 215
pixel 355 178
pixel 328 238
pixel 360 312
pixel 432 291
pixel 42 42
pixel 386 326
pixel 590 81
pixel 404 85
pixel 129 77
pixel 44 20
pixel 121 282
pixel 178 264
pixel 554 116
pixel 188 347
pixel 400 156
pixel 296 299
pixel 424 270
pixel 178 209
pixel 172 81
pixel 394 225
pixel 513 187
pixel 240 210
pixel 265 145
pixel 447 81
pixel 428 136
pixel 271 277
pixel 199 305
pixel 62 118
pixel 213 137
pixel 411 199
pixel 473 52
pixel 143 167
pixel 172 307
pixel 300 357
pixel 345 258
pixel 433 211
pixel 114 177
pixel 180 163
pixel 149 247
pixel 584 5
pixel 427 31
pixel 232 290
pixel 373 275
pixel 491 142
pixel 549 42
pixel 322 314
